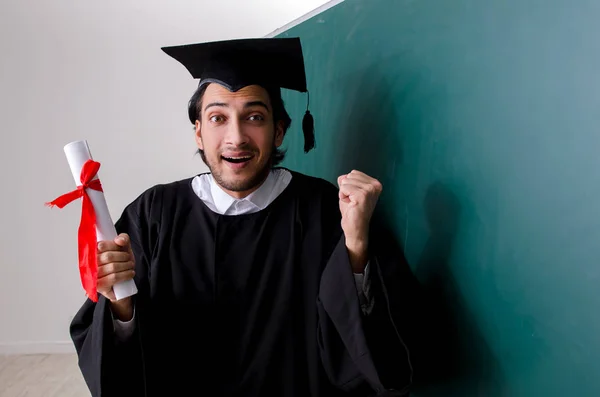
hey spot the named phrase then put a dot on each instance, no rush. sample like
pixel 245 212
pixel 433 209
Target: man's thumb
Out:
pixel 122 240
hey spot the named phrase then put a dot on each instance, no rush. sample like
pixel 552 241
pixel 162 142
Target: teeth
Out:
pixel 237 160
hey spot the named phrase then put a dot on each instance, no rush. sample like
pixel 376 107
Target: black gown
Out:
pixel 249 305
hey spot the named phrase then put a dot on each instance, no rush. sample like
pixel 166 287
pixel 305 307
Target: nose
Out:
pixel 235 135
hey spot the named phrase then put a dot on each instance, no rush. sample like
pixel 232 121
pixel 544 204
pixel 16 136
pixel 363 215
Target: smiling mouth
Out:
pixel 237 160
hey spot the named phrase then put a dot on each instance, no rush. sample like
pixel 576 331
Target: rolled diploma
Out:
pixel 78 153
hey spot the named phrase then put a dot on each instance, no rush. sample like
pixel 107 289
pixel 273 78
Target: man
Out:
pixel 253 280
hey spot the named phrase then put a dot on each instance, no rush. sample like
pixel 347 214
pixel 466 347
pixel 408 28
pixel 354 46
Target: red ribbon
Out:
pixel 88 266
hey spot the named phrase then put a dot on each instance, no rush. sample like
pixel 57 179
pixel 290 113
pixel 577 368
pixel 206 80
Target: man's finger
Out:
pixel 113 256
pixel 107 245
pixel 117 267
pixel 350 188
pixel 366 182
pixel 343 196
pixel 360 176
pixel 122 240
pixel 356 188
pixel 105 283
pixel 352 194
pixel 120 243
pixel 354 182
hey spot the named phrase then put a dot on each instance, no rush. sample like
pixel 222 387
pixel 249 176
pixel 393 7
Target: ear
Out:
pixel 279 133
pixel 199 135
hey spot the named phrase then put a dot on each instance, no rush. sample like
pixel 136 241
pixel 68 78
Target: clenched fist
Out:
pixel 358 196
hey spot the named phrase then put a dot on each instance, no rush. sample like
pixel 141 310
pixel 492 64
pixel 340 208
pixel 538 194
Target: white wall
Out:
pixel 93 70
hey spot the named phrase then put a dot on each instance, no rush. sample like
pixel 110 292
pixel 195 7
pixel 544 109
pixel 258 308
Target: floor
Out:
pixel 54 375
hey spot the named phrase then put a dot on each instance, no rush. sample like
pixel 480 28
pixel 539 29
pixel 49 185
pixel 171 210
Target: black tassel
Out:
pixel 308 128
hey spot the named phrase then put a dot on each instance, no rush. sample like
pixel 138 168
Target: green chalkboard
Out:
pixel 482 121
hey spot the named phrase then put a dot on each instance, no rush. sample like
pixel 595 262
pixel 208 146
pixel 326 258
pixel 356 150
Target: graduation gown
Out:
pixel 248 305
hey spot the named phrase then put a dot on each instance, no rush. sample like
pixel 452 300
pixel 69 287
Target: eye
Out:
pixel 217 119
pixel 256 117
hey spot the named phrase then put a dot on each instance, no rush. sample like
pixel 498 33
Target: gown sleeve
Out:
pixel 111 366
pixel 371 350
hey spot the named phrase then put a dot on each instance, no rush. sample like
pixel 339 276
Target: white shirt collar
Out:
pixel 219 201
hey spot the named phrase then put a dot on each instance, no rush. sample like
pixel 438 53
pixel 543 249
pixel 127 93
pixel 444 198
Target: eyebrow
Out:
pixel 247 105
pixel 210 105
pixel 256 103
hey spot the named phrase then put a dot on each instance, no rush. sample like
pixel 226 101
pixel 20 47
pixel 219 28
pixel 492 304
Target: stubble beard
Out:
pixel 240 185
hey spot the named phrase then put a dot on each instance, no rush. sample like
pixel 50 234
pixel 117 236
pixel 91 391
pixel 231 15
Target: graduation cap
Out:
pixel 234 64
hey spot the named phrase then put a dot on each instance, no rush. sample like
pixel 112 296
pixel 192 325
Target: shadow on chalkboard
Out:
pixel 458 359
pixel 451 357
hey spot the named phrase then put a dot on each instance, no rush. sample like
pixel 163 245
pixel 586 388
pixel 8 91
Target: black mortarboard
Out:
pixel 271 63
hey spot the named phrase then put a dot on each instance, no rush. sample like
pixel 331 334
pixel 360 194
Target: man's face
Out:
pixel 238 136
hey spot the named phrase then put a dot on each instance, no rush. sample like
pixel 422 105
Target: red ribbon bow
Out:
pixel 88 266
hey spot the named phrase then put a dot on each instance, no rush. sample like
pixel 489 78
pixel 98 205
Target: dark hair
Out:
pixel 279 114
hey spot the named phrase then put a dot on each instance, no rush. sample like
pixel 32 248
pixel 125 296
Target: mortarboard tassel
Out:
pixel 308 128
